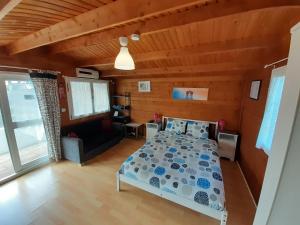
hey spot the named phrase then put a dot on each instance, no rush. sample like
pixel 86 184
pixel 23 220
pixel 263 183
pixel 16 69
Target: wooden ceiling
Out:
pixel 177 36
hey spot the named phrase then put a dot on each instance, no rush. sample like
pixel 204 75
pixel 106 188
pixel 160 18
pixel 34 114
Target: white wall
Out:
pixel 286 209
pixel 279 198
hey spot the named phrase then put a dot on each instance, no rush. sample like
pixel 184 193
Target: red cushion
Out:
pixel 73 135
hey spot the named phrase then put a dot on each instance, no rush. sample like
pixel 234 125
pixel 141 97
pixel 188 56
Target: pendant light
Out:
pixel 124 60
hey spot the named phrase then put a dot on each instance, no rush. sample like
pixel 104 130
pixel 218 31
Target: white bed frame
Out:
pixel 206 210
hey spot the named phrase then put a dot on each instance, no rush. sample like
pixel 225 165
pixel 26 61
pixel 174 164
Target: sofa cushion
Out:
pixel 107 126
pixel 85 129
pixel 90 143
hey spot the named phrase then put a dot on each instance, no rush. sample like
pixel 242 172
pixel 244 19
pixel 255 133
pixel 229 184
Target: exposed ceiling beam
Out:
pixel 205 12
pixel 191 76
pixel 205 68
pixel 200 50
pixel 6 6
pixel 105 17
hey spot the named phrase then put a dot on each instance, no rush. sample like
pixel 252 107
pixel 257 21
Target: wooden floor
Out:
pixel 65 193
pixel 27 155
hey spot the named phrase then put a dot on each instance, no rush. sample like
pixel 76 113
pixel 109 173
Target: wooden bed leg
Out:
pixel 224 218
pixel 118 181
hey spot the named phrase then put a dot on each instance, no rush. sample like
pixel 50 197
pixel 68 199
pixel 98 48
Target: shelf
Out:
pixel 121 107
pixel 120 96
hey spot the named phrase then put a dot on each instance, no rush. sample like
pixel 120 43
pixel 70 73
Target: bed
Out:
pixel 180 167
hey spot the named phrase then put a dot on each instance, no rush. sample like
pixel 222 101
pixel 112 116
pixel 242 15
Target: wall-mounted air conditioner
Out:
pixel 87 73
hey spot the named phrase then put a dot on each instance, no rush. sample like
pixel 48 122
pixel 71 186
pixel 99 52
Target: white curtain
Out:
pixel 81 98
pixel 101 97
pixel 267 129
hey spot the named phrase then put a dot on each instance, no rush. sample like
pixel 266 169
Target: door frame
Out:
pixel 283 131
pixel 9 126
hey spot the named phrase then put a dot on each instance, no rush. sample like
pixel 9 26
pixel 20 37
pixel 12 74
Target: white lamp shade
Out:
pixel 124 61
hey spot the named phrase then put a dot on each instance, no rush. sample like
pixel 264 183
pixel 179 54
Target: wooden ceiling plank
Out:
pixel 6 6
pixel 205 68
pixel 107 16
pixel 222 8
pixel 50 7
pixel 200 50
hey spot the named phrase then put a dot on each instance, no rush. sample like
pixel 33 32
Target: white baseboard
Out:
pixel 246 184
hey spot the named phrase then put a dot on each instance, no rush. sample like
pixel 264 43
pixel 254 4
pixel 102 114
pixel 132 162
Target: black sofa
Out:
pixel 86 140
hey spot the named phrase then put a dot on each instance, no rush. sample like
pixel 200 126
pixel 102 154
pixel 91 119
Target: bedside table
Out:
pixel 152 129
pixel 227 144
pixel 134 127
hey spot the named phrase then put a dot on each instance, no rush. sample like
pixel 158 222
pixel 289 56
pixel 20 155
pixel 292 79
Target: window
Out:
pixel 87 97
pixel 267 129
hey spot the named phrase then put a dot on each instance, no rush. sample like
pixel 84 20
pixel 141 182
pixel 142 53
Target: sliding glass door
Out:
pixel 6 166
pixel 22 122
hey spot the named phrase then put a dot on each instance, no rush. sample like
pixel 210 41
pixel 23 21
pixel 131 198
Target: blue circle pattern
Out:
pixel 203 183
pixel 177 159
pixel 129 159
pixel 154 181
pixel 143 155
pixel 180 161
pixel 172 149
pixel 181 170
pixel 217 176
pixel 169 155
pixel 216 169
pixel 175 166
pixel 217 191
pixel 159 171
pixel 205 157
pixel 201 197
pixel 204 163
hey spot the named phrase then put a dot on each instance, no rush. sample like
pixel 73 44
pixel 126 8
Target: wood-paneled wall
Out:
pixel 65 66
pixel 224 98
pixel 253 161
pixel 228 99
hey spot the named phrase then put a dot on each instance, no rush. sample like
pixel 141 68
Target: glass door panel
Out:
pixel 6 166
pixel 31 143
pixel 26 120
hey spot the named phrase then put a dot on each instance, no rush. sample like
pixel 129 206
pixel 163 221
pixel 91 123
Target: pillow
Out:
pixel 72 134
pixel 169 125
pixel 176 125
pixel 197 129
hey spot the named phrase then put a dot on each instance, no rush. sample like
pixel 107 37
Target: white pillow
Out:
pixel 176 125
pixel 197 129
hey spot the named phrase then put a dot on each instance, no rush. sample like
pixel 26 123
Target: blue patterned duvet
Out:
pixel 181 165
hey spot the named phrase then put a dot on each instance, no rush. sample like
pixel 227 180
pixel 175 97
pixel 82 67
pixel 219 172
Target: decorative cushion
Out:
pixel 72 135
pixel 197 129
pixel 176 125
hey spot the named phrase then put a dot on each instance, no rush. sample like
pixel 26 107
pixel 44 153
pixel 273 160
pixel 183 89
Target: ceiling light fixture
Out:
pixel 124 60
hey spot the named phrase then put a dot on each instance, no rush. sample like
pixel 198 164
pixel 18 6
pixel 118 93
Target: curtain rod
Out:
pixel 29 69
pixel 274 63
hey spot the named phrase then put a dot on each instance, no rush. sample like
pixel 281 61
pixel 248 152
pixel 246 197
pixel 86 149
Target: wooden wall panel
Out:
pixel 253 161
pixel 225 93
pixel 65 66
pixel 61 64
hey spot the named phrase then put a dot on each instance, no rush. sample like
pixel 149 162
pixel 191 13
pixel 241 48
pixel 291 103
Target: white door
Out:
pixel 22 122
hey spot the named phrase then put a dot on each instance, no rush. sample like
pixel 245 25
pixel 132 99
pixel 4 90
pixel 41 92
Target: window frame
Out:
pixel 70 97
pixel 277 72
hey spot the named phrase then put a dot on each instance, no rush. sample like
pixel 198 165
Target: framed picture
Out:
pixel 200 94
pixel 144 86
pixel 255 89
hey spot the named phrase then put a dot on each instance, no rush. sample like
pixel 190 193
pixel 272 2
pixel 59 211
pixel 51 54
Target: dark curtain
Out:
pixel 46 89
